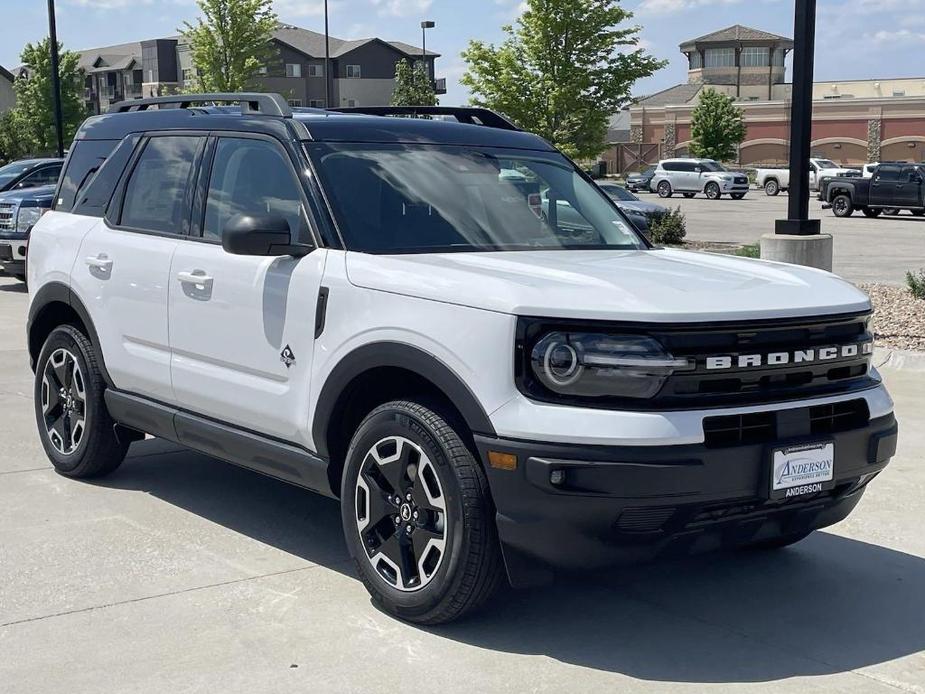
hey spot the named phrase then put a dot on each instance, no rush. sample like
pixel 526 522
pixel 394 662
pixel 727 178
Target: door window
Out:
pixel 908 175
pixel 156 194
pixel 42 177
pixel 250 177
pixel 887 174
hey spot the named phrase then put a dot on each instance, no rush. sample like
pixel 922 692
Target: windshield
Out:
pixel 712 166
pixel 14 170
pixel 409 198
pixel 826 164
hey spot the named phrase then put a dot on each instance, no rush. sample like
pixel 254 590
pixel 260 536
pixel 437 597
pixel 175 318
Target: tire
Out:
pixel 664 189
pixel 737 196
pixel 842 206
pixel 780 542
pixel 891 211
pixel 460 566
pixel 712 191
pixel 688 195
pixel 77 432
pixel 771 187
pixel 871 212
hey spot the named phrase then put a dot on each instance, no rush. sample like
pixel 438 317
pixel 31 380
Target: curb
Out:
pixel 900 359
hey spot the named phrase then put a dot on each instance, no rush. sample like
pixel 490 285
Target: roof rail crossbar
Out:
pixel 470 115
pixel 252 103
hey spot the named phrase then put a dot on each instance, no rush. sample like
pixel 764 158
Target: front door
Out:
pixel 242 327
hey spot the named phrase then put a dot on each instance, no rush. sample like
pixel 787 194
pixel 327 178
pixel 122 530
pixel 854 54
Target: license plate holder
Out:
pixel 801 469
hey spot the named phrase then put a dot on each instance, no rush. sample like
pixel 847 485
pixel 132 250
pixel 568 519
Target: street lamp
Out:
pixel 55 77
pixel 425 25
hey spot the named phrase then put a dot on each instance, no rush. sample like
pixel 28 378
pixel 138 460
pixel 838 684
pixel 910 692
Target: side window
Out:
pixel 888 174
pixel 250 177
pixel 85 160
pixel 156 194
pixel 42 177
pixel 907 175
pixel 669 166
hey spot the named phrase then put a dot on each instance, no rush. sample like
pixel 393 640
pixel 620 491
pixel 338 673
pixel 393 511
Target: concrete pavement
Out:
pixel 180 573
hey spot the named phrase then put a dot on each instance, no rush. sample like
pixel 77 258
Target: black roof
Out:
pixel 318 125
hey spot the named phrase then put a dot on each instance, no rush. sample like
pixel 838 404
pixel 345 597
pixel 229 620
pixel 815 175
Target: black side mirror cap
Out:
pixel 261 235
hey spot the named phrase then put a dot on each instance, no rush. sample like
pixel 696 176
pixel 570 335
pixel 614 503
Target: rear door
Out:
pixel 242 328
pixel 123 267
pixel 908 188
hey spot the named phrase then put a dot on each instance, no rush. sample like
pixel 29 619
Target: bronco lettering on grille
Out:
pixel 802 356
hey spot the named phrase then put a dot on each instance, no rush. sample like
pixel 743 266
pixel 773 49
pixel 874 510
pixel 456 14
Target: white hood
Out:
pixel 657 285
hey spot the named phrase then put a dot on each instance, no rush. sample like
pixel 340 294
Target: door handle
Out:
pixel 197 277
pixel 99 262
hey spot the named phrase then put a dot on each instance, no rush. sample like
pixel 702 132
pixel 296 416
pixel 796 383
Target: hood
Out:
pixel 835 172
pixel 656 285
pixel 39 194
pixel 641 206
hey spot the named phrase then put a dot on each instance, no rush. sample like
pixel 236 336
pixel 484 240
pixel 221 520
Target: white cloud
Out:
pixel 402 8
pixel 302 8
pixel 673 6
pixel 894 37
pixel 121 4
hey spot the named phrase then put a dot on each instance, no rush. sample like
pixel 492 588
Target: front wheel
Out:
pixel 842 206
pixel 664 189
pixel 417 515
pixel 737 196
pixel 771 187
pixel 74 425
pixel 712 191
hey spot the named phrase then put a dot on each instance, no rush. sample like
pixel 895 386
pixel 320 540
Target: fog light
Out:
pixel 557 478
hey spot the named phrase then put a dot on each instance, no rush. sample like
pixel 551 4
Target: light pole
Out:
pixel 797 239
pixel 424 27
pixel 327 61
pixel 55 77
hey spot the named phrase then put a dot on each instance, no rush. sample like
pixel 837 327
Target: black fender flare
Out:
pixel 397 355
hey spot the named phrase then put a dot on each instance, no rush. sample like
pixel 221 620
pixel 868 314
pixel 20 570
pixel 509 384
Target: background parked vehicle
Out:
pixel 638 211
pixel 692 176
pixel 639 182
pixel 775 180
pixel 29 173
pixel 20 209
pixel 893 187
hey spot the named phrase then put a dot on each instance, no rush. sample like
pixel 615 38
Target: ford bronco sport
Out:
pixel 374 308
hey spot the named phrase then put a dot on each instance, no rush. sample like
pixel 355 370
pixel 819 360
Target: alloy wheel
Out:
pixel 840 206
pixel 401 513
pixel 64 401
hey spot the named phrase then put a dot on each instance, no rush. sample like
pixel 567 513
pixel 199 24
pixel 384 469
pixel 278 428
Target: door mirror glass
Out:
pixel 261 235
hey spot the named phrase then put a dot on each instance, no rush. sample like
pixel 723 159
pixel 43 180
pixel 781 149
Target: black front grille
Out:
pixel 740 429
pixel 7 215
pixel 741 179
pixel 838 416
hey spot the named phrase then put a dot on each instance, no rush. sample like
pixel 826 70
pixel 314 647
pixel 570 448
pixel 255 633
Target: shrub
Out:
pixel 668 229
pixel 752 250
pixel 916 283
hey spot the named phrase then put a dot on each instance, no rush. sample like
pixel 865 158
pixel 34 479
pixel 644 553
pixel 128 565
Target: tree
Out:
pixel 230 43
pixel 29 128
pixel 717 127
pixel 413 86
pixel 563 71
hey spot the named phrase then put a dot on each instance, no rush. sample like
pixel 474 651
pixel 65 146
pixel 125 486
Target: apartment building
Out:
pixel 363 70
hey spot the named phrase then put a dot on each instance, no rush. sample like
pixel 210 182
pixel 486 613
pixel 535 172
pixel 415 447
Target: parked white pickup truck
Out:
pixel 775 180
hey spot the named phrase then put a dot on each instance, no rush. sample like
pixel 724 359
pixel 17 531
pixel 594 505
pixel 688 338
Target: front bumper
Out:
pixel 13 255
pixel 625 504
pixel 731 187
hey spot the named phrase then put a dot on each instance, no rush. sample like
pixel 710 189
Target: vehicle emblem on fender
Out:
pixel 287 356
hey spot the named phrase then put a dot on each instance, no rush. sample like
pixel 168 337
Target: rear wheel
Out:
pixel 871 211
pixel 74 425
pixel 712 191
pixel 771 187
pixel 842 206
pixel 737 196
pixel 418 517
pixel 664 189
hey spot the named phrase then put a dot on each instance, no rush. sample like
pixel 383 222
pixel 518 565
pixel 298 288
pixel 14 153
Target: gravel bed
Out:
pixel 899 320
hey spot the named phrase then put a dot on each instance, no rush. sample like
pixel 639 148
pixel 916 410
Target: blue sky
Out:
pixel 855 38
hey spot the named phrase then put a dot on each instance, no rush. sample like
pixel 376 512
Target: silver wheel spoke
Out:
pixel 64 401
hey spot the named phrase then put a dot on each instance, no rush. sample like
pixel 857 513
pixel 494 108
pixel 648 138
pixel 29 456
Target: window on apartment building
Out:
pixel 899 92
pixel 293 70
pixel 354 71
pixel 696 60
pixel 755 56
pixel 720 57
pixel 777 57
pixel 295 102
pixel 315 70
pixel 316 103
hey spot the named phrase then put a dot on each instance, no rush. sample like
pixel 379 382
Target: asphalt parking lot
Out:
pixel 180 573
pixel 866 250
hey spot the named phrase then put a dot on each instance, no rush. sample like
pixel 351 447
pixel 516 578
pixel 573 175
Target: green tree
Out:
pixel 413 86
pixel 230 43
pixel 29 128
pixel 562 72
pixel 717 127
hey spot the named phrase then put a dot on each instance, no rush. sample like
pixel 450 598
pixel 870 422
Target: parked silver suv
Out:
pixel 692 176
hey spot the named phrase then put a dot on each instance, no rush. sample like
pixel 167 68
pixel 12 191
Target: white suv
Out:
pixel 692 176
pixel 379 310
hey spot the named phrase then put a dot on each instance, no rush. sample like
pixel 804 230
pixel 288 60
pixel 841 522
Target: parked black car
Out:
pixel 29 173
pixel 20 209
pixel 638 211
pixel 640 181
pixel 892 188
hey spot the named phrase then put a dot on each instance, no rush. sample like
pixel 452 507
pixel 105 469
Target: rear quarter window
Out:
pixel 85 159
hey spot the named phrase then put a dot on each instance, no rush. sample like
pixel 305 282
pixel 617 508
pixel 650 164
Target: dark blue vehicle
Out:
pixel 20 209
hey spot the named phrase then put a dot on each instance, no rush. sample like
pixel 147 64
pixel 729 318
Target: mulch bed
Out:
pixel 899 319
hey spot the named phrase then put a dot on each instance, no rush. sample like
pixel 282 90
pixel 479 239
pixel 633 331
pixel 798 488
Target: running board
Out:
pixel 256 452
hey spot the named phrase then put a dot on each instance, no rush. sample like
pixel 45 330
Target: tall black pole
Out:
pixel 328 92
pixel 55 77
pixel 424 44
pixel 801 122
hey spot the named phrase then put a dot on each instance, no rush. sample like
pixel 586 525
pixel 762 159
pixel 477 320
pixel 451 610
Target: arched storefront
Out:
pixel 846 151
pixel 765 151
pixel 904 148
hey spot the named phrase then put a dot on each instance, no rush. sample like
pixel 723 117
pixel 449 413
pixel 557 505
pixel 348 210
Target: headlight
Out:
pixel 726 177
pixel 27 218
pixel 598 365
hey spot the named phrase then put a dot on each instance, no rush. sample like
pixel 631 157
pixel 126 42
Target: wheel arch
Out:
pixel 377 373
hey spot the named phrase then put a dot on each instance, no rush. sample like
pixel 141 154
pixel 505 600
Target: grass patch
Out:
pixel 915 280
pixel 752 250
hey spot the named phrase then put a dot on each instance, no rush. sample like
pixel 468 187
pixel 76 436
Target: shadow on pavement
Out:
pixel 827 605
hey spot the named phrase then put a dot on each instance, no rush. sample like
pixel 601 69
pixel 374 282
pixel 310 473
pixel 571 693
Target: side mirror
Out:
pixel 262 235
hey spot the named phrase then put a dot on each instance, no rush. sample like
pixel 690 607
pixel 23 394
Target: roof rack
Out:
pixel 464 114
pixel 252 103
